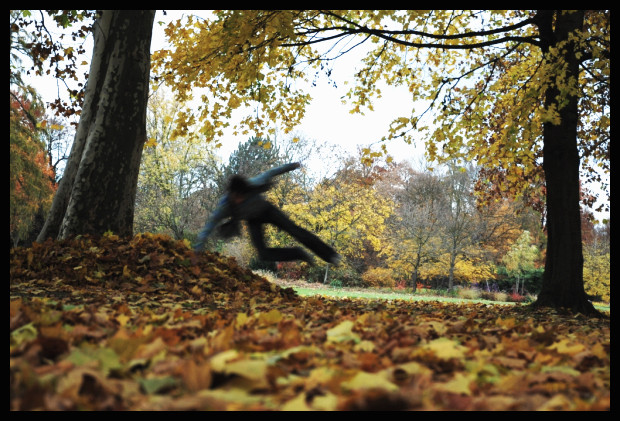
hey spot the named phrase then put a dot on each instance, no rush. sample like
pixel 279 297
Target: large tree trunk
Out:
pixel 563 276
pixel 97 191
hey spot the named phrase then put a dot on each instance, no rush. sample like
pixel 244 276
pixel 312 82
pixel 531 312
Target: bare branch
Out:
pixel 391 35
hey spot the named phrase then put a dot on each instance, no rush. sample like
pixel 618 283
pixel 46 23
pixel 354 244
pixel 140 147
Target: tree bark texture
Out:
pixel 97 191
pixel 563 277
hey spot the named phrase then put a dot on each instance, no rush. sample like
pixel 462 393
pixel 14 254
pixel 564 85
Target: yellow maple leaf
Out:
pixel 407 369
pixel 445 348
pixel 342 332
pixel 241 319
pixel 123 319
pixel 327 402
pixel 459 384
pixel 599 351
pixel 565 347
pixel 270 318
pixel 506 323
pixel 363 380
pixel 223 338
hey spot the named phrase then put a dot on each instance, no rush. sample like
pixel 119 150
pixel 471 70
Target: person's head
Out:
pixel 238 184
pixel 238 187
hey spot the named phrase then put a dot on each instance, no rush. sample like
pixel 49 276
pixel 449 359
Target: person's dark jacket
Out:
pixel 253 204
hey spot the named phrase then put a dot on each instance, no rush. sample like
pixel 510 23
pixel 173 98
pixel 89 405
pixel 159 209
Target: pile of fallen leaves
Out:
pixel 146 324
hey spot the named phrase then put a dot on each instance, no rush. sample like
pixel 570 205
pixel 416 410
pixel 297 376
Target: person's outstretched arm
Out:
pixel 221 212
pixel 269 174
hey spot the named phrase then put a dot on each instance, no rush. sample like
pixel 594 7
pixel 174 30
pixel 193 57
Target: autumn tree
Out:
pixel 358 184
pixel 520 258
pixel 416 224
pixel 176 176
pixel 503 222
pixel 460 224
pixel 32 173
pixel 31 178
pixel 433 210
pixel 347 212
pixel 506 87
pixel 97 191
pixel 597 264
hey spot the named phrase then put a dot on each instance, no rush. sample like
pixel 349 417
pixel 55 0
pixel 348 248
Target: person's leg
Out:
pixel 278 218
pixel 276 254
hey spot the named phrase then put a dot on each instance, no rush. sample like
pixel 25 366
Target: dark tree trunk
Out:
pixel 563 277
pixel 97 191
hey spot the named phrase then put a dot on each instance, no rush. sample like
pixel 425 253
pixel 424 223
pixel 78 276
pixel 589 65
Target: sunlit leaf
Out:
pixel 342 332
pixel 363 380
pixel 445 348
pixel 460 384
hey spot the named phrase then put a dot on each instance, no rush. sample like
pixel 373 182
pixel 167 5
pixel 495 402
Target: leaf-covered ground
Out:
pixel 145 324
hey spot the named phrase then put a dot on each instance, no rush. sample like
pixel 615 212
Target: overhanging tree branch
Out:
pixel 391 35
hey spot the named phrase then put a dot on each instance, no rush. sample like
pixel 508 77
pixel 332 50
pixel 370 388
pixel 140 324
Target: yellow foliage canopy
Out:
pixel 483 73
pixel 345 215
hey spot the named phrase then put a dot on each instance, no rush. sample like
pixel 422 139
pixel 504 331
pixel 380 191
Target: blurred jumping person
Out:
pixel 244 201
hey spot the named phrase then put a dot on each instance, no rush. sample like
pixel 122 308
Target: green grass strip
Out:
pixel 375 295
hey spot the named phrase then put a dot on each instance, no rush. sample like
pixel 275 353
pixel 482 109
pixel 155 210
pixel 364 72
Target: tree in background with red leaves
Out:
pixel 32 179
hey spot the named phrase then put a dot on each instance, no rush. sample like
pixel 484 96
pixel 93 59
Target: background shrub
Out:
pixel 292 270
pixel 469 293
pixel 532 278
pixel 499 296
pixel 378 278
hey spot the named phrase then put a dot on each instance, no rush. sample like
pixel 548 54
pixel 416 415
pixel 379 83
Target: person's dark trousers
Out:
pixel 273 215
